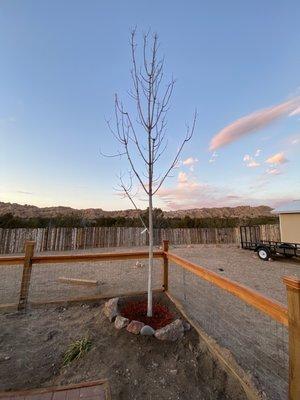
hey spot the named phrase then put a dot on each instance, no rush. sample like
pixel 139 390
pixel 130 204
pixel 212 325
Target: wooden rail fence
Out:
pixel 288 316
pixel 57 239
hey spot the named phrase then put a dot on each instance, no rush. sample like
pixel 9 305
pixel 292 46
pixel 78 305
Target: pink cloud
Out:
pixel 273 171
pixel 276 159
pixel 190 161
pixel 257 153
pixel 213 157
pixel 295 112
pixel 182 177
pixel 196 195
pixel 253 164
pixel 250 161
pixel 192 194
pixel 253 122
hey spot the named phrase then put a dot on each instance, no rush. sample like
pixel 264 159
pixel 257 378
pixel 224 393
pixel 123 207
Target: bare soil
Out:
pixel 244 266
pixel 138 367
pixel 259 344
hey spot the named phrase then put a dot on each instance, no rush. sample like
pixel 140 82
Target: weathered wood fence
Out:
pixel 57 239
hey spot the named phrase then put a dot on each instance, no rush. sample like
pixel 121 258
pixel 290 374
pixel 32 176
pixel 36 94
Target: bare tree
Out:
pixel 146 133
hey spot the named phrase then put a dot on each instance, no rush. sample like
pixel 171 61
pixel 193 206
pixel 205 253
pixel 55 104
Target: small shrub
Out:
pixel 76 350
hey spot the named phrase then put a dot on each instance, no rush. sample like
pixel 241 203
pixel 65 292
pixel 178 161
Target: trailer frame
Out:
pixel 250 240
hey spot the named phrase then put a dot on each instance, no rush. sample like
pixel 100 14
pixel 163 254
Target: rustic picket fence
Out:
pixel 58 239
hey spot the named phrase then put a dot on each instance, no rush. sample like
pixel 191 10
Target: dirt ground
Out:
pixel 259 344
pixel 32 346
pixel 244 266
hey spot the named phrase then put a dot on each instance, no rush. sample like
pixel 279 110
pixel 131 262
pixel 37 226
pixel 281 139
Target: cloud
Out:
pixel 257 153
pixel 213 157
pixel 253 164
pixel 294 140
pixel 276 159
pixel 295 112
pixel 250 162
pixel 253 122
pixel 193 194
pixel 273 171
pixel 182 177
pixel 188 194
pixel 23 192
pixel 190 161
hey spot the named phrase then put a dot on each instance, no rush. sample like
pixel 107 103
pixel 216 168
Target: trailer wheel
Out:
pixel 263 253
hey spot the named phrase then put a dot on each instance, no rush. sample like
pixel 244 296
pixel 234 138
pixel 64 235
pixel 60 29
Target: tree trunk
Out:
pixel 149 306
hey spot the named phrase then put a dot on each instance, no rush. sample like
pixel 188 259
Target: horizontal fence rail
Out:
pixel 93 257
pixel 12 260
pixel 65 258
pixel 270 307
pixel 58 239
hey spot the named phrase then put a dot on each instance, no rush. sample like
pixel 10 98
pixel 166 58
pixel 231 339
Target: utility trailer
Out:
pixel 250 240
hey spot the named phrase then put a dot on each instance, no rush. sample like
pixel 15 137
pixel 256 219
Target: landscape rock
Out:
pixel 186 325
pixel 4 357
pixel 139 264
pixel 135 327
pixel 173 371
pixel 191 347
pixel 171 332
pixel 111 308
pixel 51 334
pixel 121 322
pixel 147 330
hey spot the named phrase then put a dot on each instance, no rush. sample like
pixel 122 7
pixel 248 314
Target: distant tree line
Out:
pixel 159 221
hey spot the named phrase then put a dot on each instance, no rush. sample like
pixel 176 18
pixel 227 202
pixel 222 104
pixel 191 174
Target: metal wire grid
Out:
pixel 258 343
pixel 10 283
pixel 113 277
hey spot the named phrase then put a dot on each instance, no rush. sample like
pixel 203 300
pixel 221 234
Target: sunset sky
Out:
pixel 236 62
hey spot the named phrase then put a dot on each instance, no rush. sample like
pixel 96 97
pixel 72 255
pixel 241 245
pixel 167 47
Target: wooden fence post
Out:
pixel 293 295
pixel 29 250
pixel 166 265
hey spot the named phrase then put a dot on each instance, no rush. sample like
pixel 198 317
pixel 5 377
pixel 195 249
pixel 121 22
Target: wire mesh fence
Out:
pixel 59 282
pixel 258 343
pixel 10 283
pixel 55 282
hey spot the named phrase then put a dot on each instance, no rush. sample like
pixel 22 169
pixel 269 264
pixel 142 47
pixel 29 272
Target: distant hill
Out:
pixel 29 211
pixel 223 212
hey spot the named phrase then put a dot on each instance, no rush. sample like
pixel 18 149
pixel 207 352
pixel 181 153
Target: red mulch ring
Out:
pixel 137 311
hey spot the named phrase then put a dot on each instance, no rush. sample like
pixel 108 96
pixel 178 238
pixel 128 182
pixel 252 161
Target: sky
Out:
pixel 237 63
